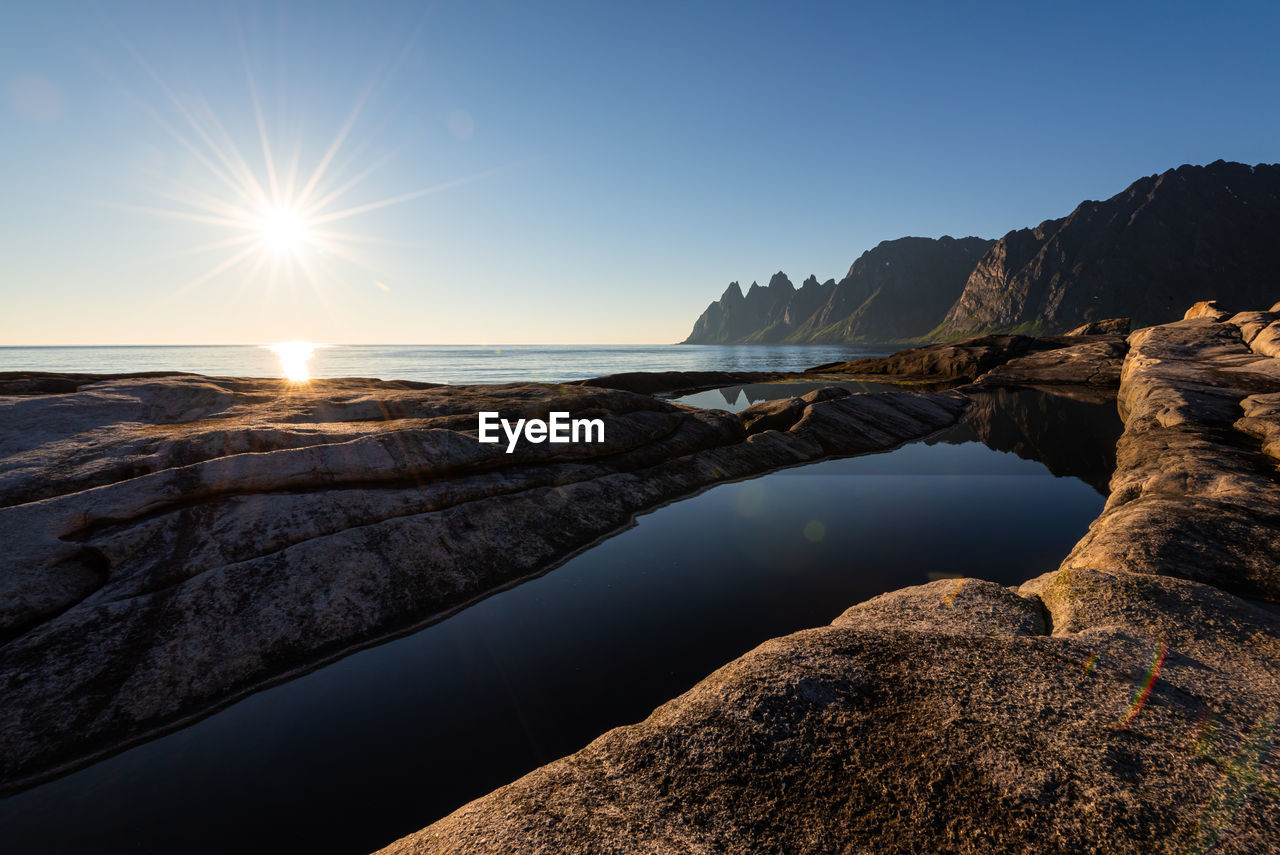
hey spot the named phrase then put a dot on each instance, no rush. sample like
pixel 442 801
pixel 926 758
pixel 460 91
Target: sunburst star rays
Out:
pixel 278 223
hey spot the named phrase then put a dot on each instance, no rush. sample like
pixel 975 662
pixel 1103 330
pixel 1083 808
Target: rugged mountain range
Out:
pixel 900 290
pixel 1169 240
pixel 736 318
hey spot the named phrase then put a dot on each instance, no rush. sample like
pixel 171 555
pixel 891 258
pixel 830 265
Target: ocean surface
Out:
pixel 434 363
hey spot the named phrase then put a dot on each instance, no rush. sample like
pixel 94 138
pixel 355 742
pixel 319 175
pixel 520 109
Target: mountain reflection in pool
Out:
pixel 735 399
pixel 380 743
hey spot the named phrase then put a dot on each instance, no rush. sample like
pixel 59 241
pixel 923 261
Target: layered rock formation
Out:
pixel 172 543
pixel 1124 703
pixel 897 291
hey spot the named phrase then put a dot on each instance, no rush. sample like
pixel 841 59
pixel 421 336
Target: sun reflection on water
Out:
pixel 294 356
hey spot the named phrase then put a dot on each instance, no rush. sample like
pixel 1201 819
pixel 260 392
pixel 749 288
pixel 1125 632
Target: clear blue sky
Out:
pixel 608 167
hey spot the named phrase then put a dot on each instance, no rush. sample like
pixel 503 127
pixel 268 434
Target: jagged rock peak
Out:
pixel 733 292
pixel 780 280
pixel 899 290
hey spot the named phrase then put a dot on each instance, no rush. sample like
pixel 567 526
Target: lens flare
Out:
pixel 1153 674
pixel 294 356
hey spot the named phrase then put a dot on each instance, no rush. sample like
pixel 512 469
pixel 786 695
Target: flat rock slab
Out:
pixel 173 543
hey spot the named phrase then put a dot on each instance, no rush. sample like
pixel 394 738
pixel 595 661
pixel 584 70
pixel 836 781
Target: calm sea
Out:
pixel 457 364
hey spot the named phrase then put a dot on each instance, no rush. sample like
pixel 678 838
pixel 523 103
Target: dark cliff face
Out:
pixel 1192 233
pixel 897 291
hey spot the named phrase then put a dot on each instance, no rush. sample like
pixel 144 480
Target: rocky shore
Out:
pixel 175 542
pixel 1125 702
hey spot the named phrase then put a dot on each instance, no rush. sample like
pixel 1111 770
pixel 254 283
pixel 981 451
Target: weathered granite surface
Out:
pixel 1126 702
pixel 172 543
pixel 1195 492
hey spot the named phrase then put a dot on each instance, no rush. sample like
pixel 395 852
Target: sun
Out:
pixel 283 229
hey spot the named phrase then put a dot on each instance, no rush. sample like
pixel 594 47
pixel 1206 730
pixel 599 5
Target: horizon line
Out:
pixel 399 344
